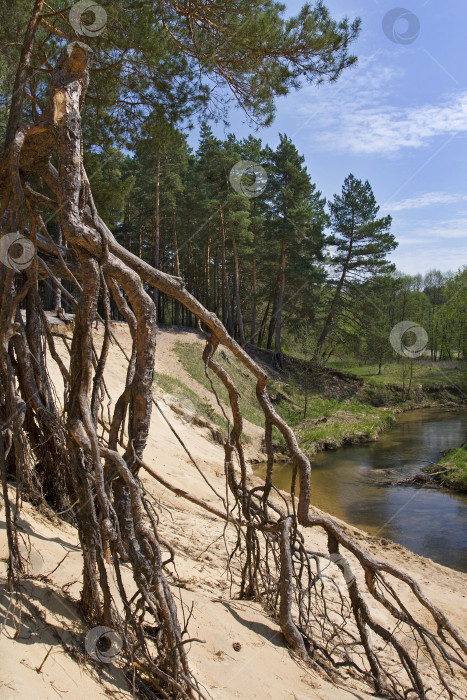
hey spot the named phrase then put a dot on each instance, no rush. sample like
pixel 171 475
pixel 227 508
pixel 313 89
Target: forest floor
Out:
pixel 243 654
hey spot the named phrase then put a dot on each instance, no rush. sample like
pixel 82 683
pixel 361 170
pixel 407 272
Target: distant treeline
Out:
pixel 282 268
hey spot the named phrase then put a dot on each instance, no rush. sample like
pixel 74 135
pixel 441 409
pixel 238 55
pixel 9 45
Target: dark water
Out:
pixel 429 522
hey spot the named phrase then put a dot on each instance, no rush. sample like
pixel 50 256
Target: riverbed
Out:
pixel 346 484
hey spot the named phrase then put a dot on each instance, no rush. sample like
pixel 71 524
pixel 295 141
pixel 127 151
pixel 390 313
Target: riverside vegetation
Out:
pixel 344 403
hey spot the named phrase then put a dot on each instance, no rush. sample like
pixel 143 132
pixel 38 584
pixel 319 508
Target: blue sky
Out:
pixel 398 119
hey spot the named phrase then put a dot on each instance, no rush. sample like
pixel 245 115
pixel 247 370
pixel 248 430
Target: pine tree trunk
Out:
pixel 254 293
pixel 332 312
pixel 262 328
pixel 278 357
pixel 238 304
pixel 176 266
pixel 207 274
pixel 22 74
pixel 157 229
pixel 271 329
pixel 216 282
pixel 226 302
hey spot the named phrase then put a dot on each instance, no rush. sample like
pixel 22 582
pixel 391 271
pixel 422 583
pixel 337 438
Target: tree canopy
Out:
pixel 178 58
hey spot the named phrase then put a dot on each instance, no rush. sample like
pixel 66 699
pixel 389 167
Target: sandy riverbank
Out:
pixel 262 667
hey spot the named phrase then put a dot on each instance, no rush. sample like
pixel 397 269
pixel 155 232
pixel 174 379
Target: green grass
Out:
pixel 192 362
pixel 426 373
pixel 345 420
pixel 352 423
pixel 172 385
pixel 456 462
pixel 348 419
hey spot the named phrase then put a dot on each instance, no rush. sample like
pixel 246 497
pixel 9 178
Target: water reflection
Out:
pixel 429 522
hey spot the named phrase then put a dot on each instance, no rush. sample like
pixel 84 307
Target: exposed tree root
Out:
pixel 330 615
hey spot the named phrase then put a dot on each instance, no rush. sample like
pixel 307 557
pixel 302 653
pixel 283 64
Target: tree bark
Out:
pixel 157 227
pixel 22 73
pixel 176 266
pixel 226 302
pixel 238 303
pixel 262 328
pixel 332 311
pixel 278 357
pixel 254 294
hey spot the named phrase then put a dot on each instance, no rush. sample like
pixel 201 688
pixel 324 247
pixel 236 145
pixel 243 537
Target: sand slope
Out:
pixel 262 667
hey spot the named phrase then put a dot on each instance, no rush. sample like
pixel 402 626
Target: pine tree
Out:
pixel 361 240
pixel 159 152
pixel 295 229
pixel 251 149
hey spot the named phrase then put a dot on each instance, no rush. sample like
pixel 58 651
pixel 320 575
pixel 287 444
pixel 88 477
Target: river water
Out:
pixel 430 522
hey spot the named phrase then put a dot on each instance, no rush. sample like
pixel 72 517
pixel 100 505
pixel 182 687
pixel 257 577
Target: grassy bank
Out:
pixel 455 461
pixel 451 375
pixel 329 422
pixel 345 404
pixel 192 362
pixel 187 402
pixel 348 422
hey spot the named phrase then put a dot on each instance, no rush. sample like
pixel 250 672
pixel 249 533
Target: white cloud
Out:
pixel 387 130
pixel 426 200
pixel 358 117
pixel 436 231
